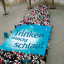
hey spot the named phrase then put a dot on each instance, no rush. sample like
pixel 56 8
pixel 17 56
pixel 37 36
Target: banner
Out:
pixel 28 38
